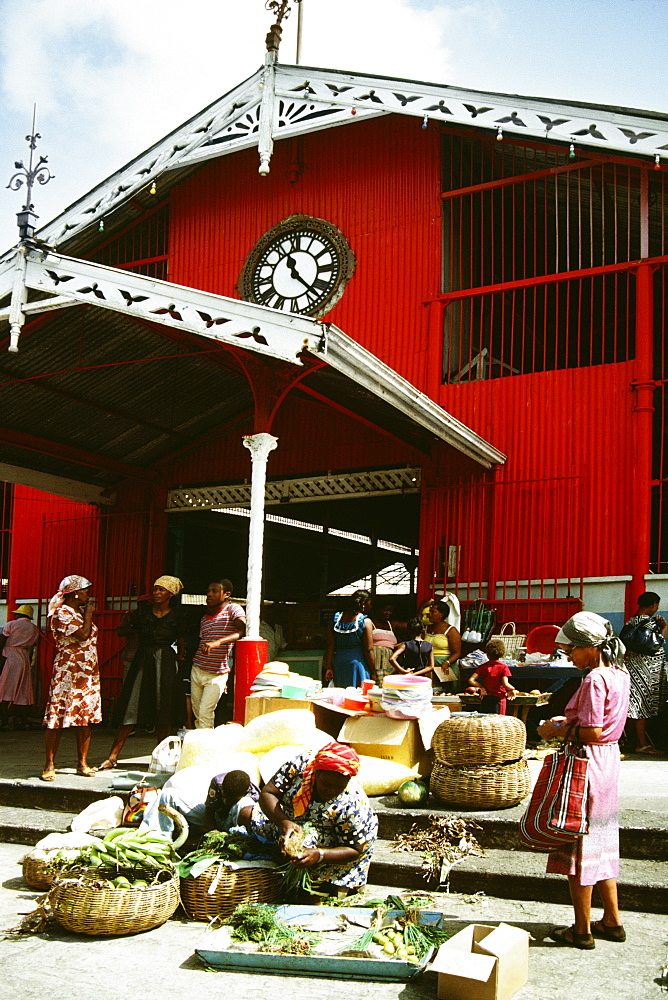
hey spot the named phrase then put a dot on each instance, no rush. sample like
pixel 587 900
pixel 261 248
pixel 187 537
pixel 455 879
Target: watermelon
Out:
pixel 412 793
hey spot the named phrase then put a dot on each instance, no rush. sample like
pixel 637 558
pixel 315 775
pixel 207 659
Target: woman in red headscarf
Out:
pixel 316 791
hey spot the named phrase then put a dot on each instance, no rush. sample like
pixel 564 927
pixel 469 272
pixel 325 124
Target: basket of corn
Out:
pixel 124 884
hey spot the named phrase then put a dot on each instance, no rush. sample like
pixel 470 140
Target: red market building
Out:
pixel 448 306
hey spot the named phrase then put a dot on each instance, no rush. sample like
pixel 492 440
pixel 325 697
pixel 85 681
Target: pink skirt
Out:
pixel 15 679
pixel 595 857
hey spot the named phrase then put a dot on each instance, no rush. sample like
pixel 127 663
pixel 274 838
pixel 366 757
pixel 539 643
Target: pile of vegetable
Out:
pixel 398 930
pixel 260 924
pixel 128 848
pixel 444 842
pixel 58 849
pixel 214 847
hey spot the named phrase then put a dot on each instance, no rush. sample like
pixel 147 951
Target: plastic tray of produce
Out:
pixel 327 965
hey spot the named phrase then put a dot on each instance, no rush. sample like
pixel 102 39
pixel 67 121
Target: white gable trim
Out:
pixel 244 325
pixel 307 99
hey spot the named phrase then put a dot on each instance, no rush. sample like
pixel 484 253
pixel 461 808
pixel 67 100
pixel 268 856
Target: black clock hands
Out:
pixel 294 273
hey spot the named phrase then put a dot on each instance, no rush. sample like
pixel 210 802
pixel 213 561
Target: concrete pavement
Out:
pixel 161 965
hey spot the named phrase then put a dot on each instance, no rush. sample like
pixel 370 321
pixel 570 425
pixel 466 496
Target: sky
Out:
pixel 110 77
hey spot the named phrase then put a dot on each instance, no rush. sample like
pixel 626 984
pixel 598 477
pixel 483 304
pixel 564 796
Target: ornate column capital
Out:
pixel 260 445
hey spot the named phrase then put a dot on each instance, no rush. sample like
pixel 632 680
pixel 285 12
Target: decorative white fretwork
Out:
pixel 284 336
pixel 256 328
pixel 282 101
pixel 339 486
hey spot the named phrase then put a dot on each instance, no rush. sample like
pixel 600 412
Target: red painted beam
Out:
pixel 547 279
pixel 519 178
pixel 69 454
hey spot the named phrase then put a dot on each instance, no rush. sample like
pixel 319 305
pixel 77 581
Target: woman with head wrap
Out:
pixel 74 694
pixel 150 691
pixel 595 718
pixel 315 790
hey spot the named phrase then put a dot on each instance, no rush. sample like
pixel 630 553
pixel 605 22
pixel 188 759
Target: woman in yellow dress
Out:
pixel 447 645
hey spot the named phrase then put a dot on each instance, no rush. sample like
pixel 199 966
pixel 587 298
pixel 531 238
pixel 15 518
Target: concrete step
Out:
pixel 642 834
pixel 643 884
pixel 27 826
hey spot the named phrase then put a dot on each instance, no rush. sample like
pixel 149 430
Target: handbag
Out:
pixel 642 638
pixel 139 799
pixel 557 812
pixel 165 757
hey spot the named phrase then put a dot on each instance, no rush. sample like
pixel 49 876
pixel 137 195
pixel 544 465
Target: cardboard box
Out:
pixel 483 963
pixel 390 739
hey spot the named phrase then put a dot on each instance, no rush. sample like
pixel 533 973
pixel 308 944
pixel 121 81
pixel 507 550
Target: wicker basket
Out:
pixel 234 886
pixel 38 874
pixel 481 787
pixel 84 909
pixel 476 740
pixel 512 639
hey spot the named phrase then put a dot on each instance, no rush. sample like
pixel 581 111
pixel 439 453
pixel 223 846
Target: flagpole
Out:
pixel 300 21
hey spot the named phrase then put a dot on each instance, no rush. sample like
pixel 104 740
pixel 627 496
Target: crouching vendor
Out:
pixel 225 805
pixel 313 794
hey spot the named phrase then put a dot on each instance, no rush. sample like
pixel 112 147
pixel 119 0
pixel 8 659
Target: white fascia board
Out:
pixel 608 128
pixel 70 489
pixel 245 325
pixel 351 359
pixel 231 321
pixel 309 99
pixel 139 173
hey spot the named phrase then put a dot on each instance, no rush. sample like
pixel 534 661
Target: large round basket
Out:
pixel 477 740
pixel 230 888
pixel 496 787
pixel 84 909
pixel 37 874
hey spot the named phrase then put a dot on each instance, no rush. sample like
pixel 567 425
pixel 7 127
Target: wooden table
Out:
pixel 519 706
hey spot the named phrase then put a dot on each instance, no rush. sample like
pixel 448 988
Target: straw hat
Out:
pixel 23 609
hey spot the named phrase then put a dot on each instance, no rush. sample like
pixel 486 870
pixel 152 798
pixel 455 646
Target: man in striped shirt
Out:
pixel 223 623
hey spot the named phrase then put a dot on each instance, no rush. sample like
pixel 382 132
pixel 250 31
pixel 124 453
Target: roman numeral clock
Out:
pixel 302 265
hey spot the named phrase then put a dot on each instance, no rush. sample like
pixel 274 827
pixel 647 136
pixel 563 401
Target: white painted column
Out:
pixel 259 445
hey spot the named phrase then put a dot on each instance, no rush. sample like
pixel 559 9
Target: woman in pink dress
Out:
pixel 18 638
pixel 595 718
pixel 74 695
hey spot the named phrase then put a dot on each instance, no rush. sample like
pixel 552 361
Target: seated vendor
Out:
pixel 226 804
pixel 314 790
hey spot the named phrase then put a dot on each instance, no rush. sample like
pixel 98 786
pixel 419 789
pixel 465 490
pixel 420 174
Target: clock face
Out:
pixel 302 266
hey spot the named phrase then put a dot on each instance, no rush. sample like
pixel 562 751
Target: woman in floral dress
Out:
pixel 74 696
pixel 313 791
pixel 649 684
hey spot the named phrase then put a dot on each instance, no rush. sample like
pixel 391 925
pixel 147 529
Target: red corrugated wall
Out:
pixel 565 496
pixel 39 559
pixel 312 438
pixel 378 181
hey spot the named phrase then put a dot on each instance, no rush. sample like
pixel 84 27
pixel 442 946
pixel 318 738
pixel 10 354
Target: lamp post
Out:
pixel 33 173
pixel 26 218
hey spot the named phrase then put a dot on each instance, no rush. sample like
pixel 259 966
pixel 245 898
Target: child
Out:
pixel 491 679
pixel 413 656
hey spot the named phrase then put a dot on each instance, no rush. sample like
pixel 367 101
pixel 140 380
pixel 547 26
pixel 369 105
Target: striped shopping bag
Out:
pixel 557 813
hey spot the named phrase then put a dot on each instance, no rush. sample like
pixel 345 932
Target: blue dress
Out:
pixel 349 663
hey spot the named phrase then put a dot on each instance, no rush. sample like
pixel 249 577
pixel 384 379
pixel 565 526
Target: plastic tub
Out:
pixel 294 690
pixel 356 703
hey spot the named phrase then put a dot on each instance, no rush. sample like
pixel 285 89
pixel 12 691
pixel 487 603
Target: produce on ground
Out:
pixel 214 846
pixel 412 793
pixel 443 841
